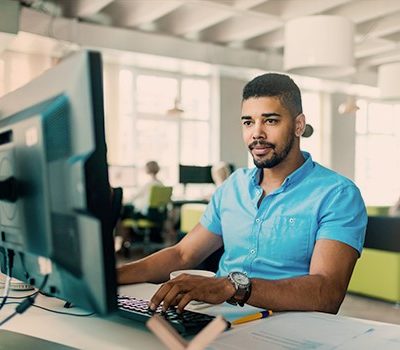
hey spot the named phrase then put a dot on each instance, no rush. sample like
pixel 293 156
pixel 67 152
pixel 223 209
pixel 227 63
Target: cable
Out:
pixel 25 304
pixel 7 284
pixel 22 258
pixel 55 311
pixel 9 256
pixel 8 318
pixel 25 296
pixel 63 313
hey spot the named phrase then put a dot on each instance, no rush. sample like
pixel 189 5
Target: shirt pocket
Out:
pixel 288 239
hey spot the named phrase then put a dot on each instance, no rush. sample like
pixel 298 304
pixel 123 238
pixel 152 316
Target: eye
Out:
pixel 247 122
pixel 271 121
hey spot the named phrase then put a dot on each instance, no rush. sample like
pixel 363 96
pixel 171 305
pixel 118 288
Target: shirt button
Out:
pixel 291 220
pixel 258 221
pixel 252 251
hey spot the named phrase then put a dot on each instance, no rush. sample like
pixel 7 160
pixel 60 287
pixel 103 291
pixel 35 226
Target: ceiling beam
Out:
pixel 373 46
pixel 365 10
pixel 247 4
pixel 139 12
pixel 198 15
pixel 380 26
pixel 376 60
pixel 291 9
pixel 272 40
pixel 298 8
pixel 193 17
pixel 92 36
pixel 82 8
pixel 235 29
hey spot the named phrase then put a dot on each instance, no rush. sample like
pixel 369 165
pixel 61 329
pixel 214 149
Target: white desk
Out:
pixel 113 332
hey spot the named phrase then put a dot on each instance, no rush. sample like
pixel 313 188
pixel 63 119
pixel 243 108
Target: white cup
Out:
pixel 203 273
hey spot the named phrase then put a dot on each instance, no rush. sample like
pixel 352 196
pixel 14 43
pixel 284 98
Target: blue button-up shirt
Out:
pixel 276 240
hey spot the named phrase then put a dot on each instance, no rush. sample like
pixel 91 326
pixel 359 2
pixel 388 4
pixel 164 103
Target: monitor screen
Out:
pixel 190 174
pixel 55 197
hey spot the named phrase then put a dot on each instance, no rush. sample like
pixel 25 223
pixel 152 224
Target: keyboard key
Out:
pixel 186 323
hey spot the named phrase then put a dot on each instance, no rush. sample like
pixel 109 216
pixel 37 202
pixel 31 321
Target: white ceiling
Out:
pixel 247 25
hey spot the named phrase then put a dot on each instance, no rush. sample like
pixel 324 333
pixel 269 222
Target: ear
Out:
pixel 300 124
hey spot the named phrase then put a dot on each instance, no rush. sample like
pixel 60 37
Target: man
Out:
pixel 292 230
pixel 142 197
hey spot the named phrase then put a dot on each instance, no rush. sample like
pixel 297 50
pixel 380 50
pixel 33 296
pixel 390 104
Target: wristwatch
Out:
pixel 242 286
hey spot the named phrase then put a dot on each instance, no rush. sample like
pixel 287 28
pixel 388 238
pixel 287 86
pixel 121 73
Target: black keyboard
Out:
pixel 186 323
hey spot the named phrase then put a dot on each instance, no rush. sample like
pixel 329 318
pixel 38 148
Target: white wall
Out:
pixel 342 142
pixel 232 148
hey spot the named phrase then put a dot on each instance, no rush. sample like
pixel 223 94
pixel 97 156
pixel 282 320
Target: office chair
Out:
pixel 150 226
pixel 191 214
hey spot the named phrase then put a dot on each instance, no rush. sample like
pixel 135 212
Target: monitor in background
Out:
pixel 383 233
pixel 55 197
pixel 190 174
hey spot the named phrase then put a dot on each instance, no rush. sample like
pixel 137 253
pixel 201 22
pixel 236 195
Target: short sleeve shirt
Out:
pixel 276 239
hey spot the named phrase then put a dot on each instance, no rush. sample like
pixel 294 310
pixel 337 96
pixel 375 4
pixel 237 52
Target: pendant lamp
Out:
pixel 320 46
pixel 388 81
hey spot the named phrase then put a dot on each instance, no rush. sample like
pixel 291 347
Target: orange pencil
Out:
pixel 252 317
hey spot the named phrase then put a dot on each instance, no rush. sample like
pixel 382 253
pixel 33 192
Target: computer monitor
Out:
pixel 191 174
pixel 56 203
pixel 383 233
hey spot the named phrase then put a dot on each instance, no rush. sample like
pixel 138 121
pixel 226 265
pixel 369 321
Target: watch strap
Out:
pixel 245 297
pixel 241 295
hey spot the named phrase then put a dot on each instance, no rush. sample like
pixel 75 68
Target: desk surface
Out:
pixel 112 332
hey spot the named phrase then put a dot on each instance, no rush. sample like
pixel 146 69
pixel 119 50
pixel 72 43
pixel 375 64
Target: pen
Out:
pixel 252 317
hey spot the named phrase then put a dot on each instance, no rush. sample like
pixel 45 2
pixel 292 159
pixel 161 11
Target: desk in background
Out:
pixel 118 333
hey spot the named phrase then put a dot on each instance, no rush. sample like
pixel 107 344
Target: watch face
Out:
pixel 240 278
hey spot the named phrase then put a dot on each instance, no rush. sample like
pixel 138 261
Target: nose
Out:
pixel 259 131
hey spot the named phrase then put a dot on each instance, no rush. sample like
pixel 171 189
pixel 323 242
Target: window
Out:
pixel 146 131
pixel 377 168
pixel 155 94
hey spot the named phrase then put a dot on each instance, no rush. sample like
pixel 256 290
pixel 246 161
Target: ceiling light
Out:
pixel 388 81
pixel 319 46
pixel 348 107
pixel 176 111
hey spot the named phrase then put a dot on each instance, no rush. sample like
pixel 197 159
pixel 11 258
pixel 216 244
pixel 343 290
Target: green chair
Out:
pixel 190 216
pixel 152 224
pixel 377 210
pixel 377 272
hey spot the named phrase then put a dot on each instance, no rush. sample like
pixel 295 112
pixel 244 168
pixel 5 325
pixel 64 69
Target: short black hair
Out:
pixel 275 85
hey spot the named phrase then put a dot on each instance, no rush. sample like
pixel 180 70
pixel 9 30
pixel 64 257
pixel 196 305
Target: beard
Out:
pixel 277 156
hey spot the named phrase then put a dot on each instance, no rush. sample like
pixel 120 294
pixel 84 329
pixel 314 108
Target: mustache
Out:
pixel 261 143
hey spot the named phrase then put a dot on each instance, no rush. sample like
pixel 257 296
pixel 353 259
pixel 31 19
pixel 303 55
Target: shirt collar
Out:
pixel 293 178
pixel 301 172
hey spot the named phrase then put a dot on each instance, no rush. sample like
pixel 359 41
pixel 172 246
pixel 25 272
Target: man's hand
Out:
pixel 184 288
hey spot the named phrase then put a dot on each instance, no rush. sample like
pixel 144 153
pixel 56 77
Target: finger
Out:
pixel 177 300
pixel 186 299
pixel 172 295
pixel 159 296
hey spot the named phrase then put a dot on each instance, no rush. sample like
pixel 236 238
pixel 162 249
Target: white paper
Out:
pixel 302 330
